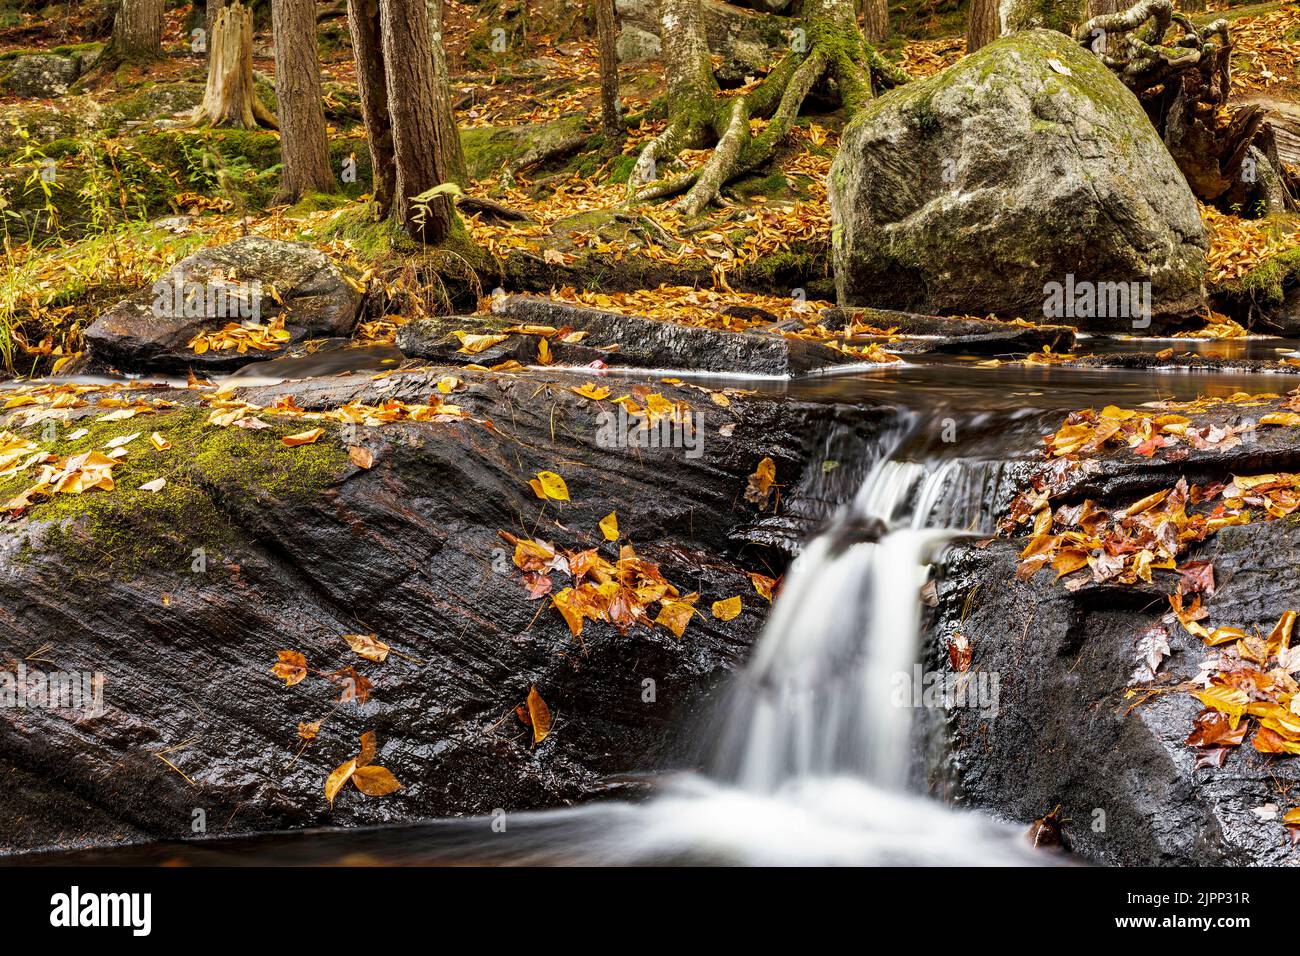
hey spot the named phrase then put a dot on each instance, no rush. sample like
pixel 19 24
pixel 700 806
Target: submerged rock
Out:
pixel 248 281
pixel 1025 173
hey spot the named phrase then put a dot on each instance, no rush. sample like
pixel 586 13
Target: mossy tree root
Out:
pixel 831 47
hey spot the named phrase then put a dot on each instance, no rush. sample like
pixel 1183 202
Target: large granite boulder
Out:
pixel 40 75
pixel 252 282
pixel 1023 180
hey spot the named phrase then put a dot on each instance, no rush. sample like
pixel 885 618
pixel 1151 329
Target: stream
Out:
pixel 811 758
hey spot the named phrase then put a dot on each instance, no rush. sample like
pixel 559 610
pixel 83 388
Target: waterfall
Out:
pixel 818 698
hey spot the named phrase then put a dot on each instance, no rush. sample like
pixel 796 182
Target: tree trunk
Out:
pixel 1097 7
pixel 1192 6
pixel 982 26
pixel 448 137
pixel 875 20
pixel 607 37
pixel 304 145
pixel 408 67
pixel 229 99
pixel 137 31
pixel 372 86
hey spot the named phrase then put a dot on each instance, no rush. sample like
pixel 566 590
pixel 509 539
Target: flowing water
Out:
pixel 812 759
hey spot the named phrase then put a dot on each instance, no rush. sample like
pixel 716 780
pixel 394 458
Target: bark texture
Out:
pixel 607 38
pixel 372 86
pixel 453 157
pixel 304 144
pixel 229 99
pixel 875 20
pixel 409 71
pixel 982 25
pixel 137 31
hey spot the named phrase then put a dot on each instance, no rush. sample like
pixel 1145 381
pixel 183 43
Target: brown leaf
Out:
pixel 539 716
pixel 375 781
pixel 361 457
pixel 369 746
pixel 308 731
pixel 291 667
pixel 302 438
pixel 368 646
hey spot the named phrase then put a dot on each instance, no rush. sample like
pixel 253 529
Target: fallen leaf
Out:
pixel 291 667
pixel 361 457
pixel 335 781
pixel 303 438
pixel 308 731
pixel 609 526
pixel 160 443
pixel 156 485
pixel 728 609
pixel 548 484
pixel 539 716
pixel 760 483
pixel 375 781
pixel 368 646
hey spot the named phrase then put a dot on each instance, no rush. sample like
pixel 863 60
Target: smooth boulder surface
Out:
pixel 152 329
pixel 1025 164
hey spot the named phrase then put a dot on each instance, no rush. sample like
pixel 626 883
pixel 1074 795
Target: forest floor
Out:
pixel 123 152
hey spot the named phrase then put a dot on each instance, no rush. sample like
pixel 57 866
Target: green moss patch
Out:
pixel 129 529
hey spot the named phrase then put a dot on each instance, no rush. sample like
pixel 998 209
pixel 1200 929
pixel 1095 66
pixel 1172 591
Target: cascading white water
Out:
pixel 818 699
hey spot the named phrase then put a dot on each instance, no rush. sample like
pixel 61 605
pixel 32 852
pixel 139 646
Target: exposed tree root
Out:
pixel 828 46
pixel 1183 82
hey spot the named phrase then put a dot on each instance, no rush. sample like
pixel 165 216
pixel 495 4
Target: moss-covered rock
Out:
pixel 490 149
pixel 1061 15
pixel 1023 165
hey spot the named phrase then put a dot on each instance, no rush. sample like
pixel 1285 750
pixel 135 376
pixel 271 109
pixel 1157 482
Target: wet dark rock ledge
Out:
pixel 302 546
pixel 1068 733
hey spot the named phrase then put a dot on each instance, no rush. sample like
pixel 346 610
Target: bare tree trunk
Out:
pixel 448 137
pixel 408 67
pixel 607 38
pixel 875 20
pixel 304 145
pixel 372 85
pixel 982 26
pixel 1097 7
pixel 137 32
pixel 1192 6
pixel 229 99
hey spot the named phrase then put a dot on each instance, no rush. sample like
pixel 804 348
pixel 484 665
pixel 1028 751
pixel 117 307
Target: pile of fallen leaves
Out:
pixel 923 58
pixel 623 592
pixel 1248 683
pixel 1164 425
pixel 1265 52
pixel 707 308
pixel 242 337
pixel 1239 245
